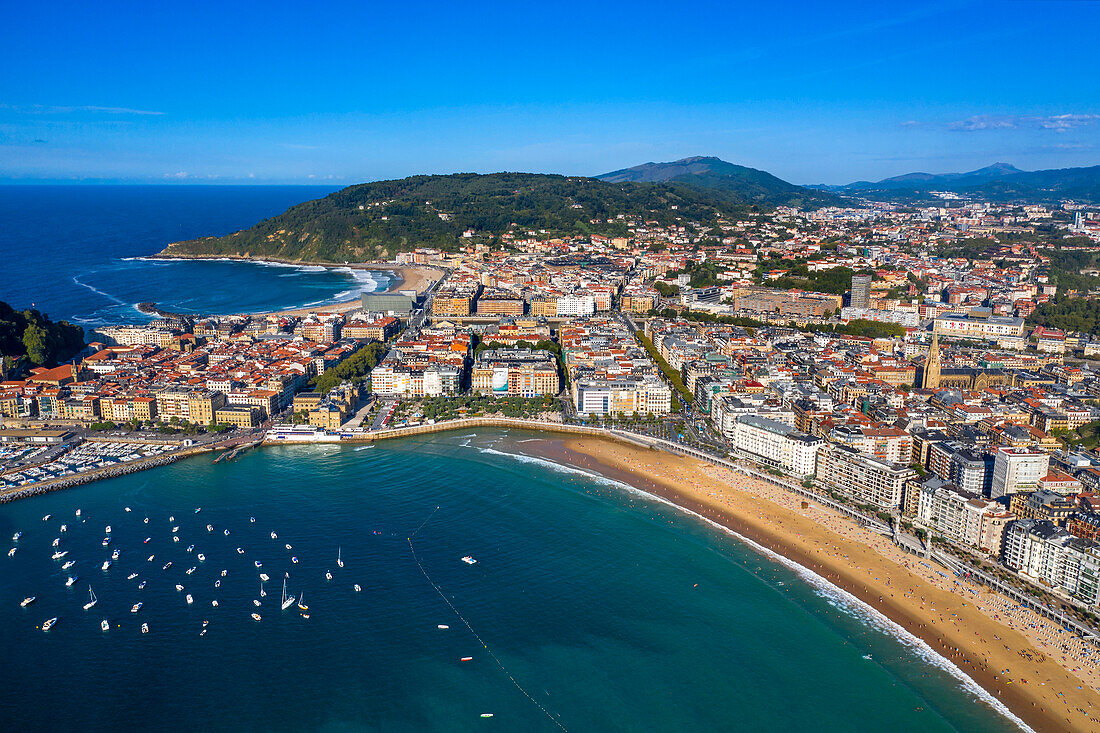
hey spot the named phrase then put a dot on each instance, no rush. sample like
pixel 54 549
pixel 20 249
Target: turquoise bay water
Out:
pixel 612 611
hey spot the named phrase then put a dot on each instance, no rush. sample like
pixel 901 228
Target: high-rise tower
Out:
pixel 932 365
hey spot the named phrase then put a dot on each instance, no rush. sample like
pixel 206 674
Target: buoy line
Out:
pixel 462 618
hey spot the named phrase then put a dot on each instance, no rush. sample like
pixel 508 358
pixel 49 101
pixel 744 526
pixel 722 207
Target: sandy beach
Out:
pixel 1044 675
pixel 411 278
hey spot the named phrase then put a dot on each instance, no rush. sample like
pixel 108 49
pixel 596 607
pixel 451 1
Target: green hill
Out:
pixel 736 184
pixel 373 221
pixel 32 335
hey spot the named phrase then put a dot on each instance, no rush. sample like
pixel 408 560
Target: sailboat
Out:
pixel 339 559
pixel 263 593
pixel 287 600
pixel 302 603
pixel 92 600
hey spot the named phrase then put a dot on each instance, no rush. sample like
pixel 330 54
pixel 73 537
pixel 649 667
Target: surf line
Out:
pixel 462 618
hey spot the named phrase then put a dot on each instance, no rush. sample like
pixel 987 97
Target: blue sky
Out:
pixel 341 92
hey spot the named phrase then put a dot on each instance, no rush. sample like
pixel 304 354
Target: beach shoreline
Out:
pixel 1037 688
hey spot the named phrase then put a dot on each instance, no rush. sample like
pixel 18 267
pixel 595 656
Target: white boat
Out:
pixel 357 588
pixel 179 587
pixel 287 600
pixel 104 625
pixel 339 556
pixel 257 563
pixel 227 533
pixel 48 623
pixel 46 518
pixel 190 548
pixel 175 538
pixel 444 627
pixel 126 509
pixel 256 602
pixel 252 520
pixel 145 628
pixel 64 528
pixel 69 583
pixel 466 659
pixel 209 528
pixel 264 577
pixel 136 607
pixel 106 564
pixel 167 565
pixel 107 529
pixel 68 564
pixel 240 551
pixel 201 557
pixel 175 529
pixel 217 584
pixel 255 617
pixel 15 537
pixel 59 555
pixel 214 603
pixel 190 570
pixel 469 560
pixel 106 541
pixel 190 600
pixel 171 519
pixel 114 555
pixel 26 601
pixel 92 600
pixel 150 558
pixel 294 559
pixel 146 540
pixel 131 576
pixel 302 603
pixel 273 536
pixel 198 509
pixel 263 593
pixel 11 552
pixel 289 547
pixel 78 512
pixel 141 585
pixel 56 541
pixel 328 575
pixel 224 573
pixel 146 520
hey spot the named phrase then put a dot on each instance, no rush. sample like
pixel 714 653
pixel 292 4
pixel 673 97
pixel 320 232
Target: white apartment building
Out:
pixel 862 477
pixel 576 305
pixel 1038 549
pixel 962 326
pixel 776 444
pixel 645 395
pixel 962 516
pixel 1018 469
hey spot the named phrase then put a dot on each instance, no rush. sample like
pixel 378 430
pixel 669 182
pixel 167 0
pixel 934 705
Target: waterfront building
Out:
pixel 866 479
pixel 776 444
pixel 515 372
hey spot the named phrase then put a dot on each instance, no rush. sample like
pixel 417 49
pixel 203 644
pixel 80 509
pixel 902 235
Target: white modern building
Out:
pixel 1018 469
pixel 862 477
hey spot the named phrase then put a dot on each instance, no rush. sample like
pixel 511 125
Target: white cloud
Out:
pixel 53 109
pixel 1057 123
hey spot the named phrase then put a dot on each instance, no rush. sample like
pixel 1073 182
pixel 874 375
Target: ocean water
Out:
pixel 591 607
pixel 78 252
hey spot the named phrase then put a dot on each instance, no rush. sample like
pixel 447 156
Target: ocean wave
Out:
pixel 840 598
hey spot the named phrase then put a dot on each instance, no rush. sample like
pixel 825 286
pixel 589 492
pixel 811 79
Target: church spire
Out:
pixel 932 365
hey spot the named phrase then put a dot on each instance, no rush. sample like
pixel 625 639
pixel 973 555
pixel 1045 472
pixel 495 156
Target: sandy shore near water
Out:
pixel 411 278
pixel 1040 674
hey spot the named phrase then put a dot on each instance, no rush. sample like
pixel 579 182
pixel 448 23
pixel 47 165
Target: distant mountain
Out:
pixel 736 183
pixel 997 182
pixel 373 221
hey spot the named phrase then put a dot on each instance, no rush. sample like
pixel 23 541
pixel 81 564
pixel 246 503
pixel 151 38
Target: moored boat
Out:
pixel 136 607
pixel 26 601
pixel 48 623
pixel 92 600
pixel 104 625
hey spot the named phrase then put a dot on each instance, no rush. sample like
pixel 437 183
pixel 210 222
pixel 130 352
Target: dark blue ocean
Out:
pixel 75 252
pixel 590 607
